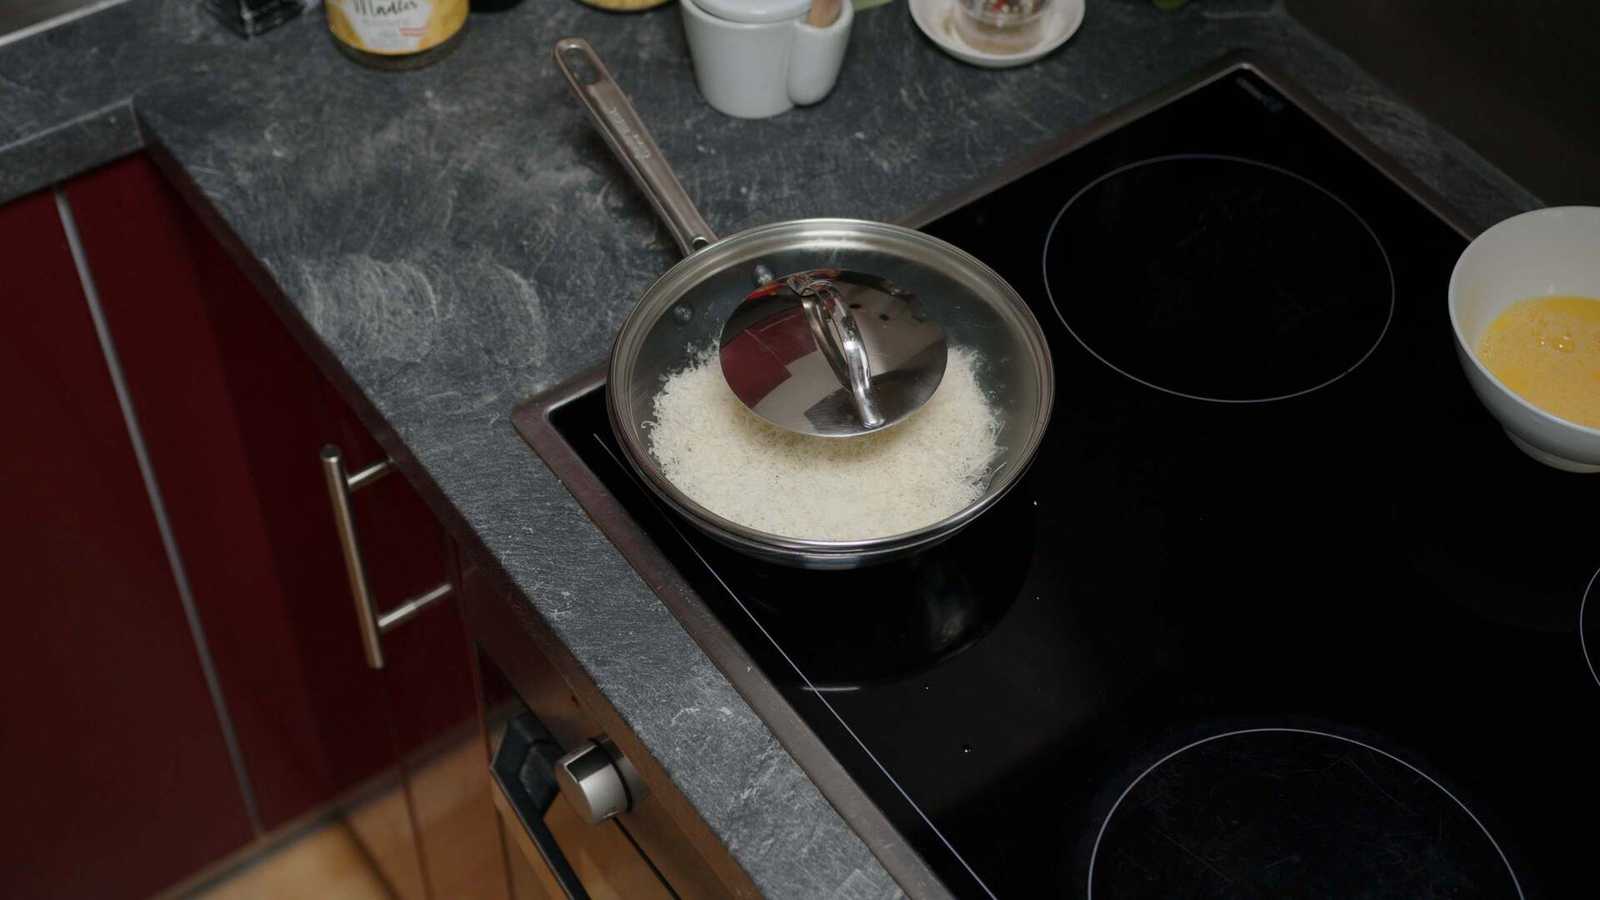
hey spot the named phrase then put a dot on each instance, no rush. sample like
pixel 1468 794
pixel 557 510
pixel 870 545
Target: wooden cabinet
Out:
pixel 235 414
pixel 111 726
pixel 117 779
pixel 230 413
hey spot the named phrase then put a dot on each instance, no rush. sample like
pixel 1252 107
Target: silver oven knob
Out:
pixel 598 781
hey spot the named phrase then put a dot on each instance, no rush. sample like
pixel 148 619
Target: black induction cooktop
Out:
pixel 1278 610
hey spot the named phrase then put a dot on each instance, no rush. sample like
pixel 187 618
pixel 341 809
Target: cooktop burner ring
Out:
pixel 1126 791
pixel 1583 640
pixel 1343 369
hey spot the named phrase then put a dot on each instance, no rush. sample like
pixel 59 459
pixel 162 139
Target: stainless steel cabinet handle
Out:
pixel 373 626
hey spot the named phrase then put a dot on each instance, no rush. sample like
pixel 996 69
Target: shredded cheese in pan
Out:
pixel 742 468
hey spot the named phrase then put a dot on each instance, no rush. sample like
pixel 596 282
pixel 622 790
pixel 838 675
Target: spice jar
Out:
pixel 396 34
pixel 1001 26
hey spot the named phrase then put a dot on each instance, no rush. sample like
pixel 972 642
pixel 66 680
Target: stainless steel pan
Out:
pixel 685 309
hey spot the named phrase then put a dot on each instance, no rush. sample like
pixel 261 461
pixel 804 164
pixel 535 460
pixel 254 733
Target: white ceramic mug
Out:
pixel 1537 254
pixel 758 58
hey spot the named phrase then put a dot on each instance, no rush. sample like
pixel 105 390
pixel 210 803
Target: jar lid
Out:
pixel 754 11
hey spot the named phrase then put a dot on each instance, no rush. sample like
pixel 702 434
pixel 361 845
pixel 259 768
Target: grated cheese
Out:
pixel 743 468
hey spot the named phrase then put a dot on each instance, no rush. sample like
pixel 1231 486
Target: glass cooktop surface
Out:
pixel 1277 611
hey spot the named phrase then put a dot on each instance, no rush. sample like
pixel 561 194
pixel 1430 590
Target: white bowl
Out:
pixel 1537 254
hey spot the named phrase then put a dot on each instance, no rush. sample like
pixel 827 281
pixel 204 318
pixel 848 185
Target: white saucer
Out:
pixel 936 18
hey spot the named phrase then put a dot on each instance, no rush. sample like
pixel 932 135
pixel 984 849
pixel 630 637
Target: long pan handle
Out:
pixel 614 116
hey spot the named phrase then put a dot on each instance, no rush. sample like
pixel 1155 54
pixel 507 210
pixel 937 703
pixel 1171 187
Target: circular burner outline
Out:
pixel 1583 643
pixel 1284 730
pixel 1062 318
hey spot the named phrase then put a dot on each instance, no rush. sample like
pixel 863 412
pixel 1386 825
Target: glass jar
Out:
pixel 396 34
pixel 1001 26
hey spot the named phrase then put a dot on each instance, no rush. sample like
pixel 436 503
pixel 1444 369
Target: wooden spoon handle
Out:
pixel 823 13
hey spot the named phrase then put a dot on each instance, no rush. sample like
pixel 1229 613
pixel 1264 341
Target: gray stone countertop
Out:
pixel 458 239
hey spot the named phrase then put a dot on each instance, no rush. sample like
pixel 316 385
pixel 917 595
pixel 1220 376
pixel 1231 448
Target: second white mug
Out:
pixel 758 59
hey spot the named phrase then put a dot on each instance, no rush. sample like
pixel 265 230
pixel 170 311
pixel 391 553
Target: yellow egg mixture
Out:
pixel 1547 350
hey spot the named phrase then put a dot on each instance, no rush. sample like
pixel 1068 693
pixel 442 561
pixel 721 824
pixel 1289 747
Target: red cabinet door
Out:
pixel 113 766
pixel 235 413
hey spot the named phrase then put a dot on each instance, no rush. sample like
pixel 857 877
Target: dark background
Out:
pixel 1516 81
